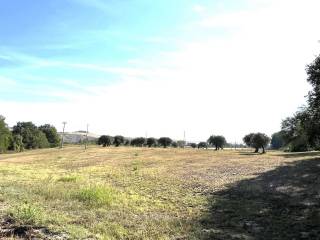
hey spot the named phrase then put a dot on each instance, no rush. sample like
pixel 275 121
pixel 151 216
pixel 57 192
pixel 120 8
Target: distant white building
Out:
pixel 78 137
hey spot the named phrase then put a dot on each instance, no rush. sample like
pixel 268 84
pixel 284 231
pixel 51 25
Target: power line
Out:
pixel 86 143
pixel 62 136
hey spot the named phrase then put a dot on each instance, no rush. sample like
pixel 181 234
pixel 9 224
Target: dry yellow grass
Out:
pixel 134 193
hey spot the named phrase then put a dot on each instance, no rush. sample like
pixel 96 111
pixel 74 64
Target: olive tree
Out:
pixel 118 140
pixel 105 140
pixel 165 141
pixel 151 142
pixel 217 141
pixel 202 145
pixel 257 141
pixel 138 142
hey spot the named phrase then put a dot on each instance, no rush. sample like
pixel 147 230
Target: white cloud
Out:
pixel 199 8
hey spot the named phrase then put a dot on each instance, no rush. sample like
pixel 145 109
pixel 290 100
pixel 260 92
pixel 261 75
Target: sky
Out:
pixel 157 68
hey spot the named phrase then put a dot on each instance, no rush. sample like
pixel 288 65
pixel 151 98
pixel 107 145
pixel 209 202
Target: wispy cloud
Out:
pixel 97 4
pixel 199 8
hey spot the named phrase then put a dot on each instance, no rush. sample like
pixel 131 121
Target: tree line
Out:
pixel 254 140
pixel 301 132
pixel 26 135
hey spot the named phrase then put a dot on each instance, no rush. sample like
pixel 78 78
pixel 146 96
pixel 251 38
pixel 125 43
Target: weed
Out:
pixel 26 214
pixel 95 196
pixel 68 179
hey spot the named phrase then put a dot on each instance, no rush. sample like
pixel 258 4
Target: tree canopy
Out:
pixel 118 140
pixel 105 140
pixel 257 141
pixel 217 141
pixel 51 134
pixel 138 142
pixel 151 142
pixel 302 131
pixel 165 142
pixel 5 135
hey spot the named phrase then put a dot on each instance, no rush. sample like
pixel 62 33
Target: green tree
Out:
pixel 16 143
pixel 257 141
pixel 277 140
pixel 165 142
pixel 118 140
pixel 302 131
pixel 51 134
pixel 105 140
pixel 202 145
pixel 32 137
pixel 5 135
pixel 41 140
pixel 217 141
pixel 138 142
pixel 174 144
pixel 193 145
pixel 151 142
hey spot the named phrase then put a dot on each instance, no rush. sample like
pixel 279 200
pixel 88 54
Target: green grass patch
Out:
pixel 27 214
pixel 96 196
pixel 68 179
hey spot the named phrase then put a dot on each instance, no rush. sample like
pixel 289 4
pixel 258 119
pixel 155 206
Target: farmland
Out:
pixel 155 193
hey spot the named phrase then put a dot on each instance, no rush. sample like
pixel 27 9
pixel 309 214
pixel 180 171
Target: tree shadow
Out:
pixel 249 153
pixel 280 204
pixel 300 154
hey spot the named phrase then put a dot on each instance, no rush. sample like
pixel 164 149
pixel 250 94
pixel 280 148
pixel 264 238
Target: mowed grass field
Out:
pixel 141 193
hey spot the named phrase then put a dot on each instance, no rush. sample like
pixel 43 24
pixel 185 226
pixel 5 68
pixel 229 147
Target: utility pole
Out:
pixel 85 146
pixel 62 137
pixel 184 139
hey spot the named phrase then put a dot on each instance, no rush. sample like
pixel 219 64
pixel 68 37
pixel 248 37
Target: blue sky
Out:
pixel 63 54
pixel 109 33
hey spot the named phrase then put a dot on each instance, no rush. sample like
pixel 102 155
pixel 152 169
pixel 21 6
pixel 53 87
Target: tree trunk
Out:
pixel 256 150
pixel 263 150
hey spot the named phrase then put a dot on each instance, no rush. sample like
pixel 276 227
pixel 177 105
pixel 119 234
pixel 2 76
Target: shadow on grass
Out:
pixel 249 153
pixel 300 154
pixel 280 204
